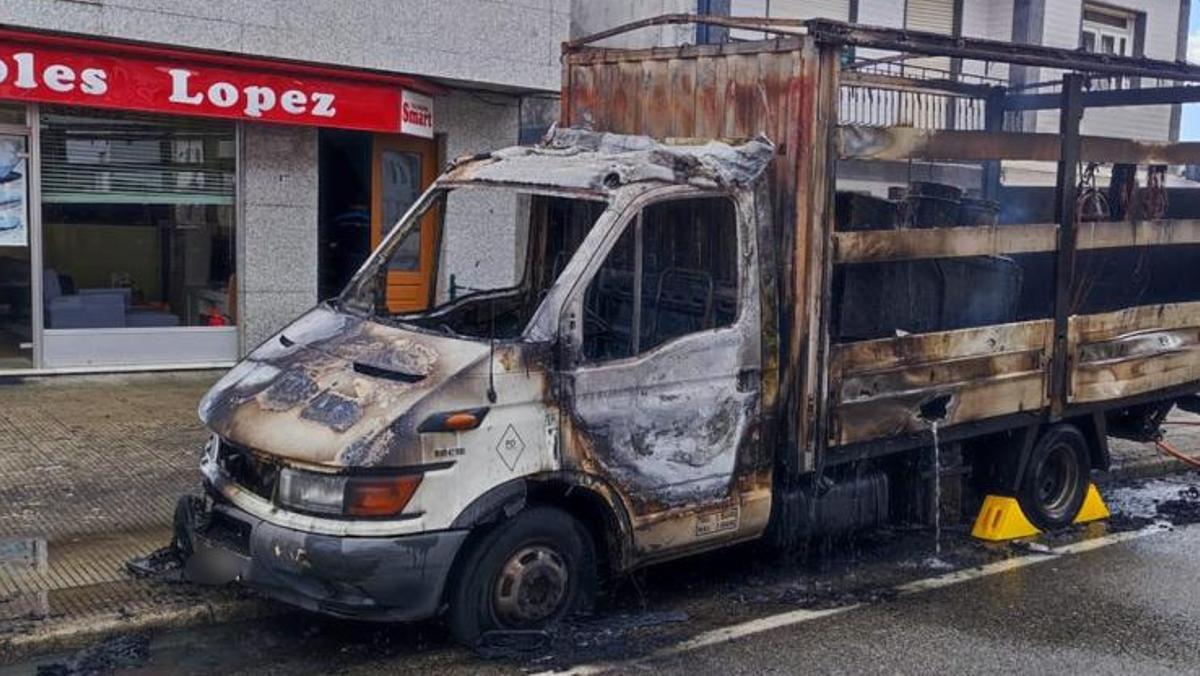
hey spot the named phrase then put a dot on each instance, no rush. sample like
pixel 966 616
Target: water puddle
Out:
pixel 24 554
pixel 1174 498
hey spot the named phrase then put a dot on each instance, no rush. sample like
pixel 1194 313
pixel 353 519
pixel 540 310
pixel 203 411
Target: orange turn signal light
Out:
pixel 461 421
pixel 379 496
pixel 454 421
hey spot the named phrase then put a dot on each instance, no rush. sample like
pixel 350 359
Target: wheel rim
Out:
pixel 1055 481
pixel 532 586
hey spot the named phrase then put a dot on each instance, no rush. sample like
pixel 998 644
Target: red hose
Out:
pixel 1174 453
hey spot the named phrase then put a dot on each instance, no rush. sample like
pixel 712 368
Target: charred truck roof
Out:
pixel 577 159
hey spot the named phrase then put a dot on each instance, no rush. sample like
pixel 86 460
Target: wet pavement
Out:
pixel 1129 608
pixel 92 467
pixel 1126 607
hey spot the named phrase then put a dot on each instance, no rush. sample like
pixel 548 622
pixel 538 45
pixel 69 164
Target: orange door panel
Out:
pixel 402 167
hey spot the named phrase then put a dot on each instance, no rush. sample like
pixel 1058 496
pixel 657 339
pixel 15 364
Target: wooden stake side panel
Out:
pixel 1133 351
pixel 881 385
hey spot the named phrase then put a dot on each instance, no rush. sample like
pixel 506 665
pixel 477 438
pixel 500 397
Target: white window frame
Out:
pixel 1122 38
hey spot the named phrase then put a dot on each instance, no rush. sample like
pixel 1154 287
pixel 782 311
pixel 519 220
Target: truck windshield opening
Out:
pixel 472 261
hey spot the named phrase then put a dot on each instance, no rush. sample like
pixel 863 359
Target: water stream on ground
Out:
pixel 937 490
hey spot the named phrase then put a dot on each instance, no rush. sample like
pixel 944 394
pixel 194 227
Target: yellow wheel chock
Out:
pixel 1001 517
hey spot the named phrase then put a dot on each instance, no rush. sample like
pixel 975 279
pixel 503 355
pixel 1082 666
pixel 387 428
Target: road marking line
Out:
pixel 708 638
pixel 794 617
pixel 1096 543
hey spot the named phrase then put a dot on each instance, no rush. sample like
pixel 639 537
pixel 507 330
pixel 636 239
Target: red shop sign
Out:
pixel 100 74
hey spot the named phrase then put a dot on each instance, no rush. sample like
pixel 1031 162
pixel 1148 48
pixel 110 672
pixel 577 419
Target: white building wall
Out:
pixel 887 13
pixel 502 42
pixel 486 255
pixel 593 16
pixel 787 9
pixel 277 228
pixel 1062 28
pixel 990 20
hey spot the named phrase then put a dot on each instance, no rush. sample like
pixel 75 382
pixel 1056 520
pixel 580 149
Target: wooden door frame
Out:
pixel 402 281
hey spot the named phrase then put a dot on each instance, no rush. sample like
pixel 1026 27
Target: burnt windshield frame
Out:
pixel 366 291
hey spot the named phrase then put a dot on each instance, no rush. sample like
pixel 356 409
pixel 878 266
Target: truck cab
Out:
pixel 597 409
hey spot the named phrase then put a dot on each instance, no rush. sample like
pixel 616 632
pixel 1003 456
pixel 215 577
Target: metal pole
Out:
pixel 1066 201
pixel 993 113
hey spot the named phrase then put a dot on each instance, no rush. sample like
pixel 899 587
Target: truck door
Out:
pixel 664 369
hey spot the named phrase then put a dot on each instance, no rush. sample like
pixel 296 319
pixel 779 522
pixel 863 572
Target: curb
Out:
pixel 1149 468
pixel 80 632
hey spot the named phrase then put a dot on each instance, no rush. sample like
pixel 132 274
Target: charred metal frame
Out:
pixel 808 384
pixel 1071 114
pixel 1069 148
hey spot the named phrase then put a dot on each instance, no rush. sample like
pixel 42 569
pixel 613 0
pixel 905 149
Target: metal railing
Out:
pixel 904 92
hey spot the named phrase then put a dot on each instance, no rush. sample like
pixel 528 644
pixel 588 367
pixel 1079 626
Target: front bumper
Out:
pixel 371 578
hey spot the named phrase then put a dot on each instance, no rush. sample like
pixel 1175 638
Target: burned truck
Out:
pixel 711 333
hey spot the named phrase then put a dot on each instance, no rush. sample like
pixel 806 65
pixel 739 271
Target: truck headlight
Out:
pixel 342 495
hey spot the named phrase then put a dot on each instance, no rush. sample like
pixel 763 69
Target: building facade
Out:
pixel 181 178
pixel 1153 28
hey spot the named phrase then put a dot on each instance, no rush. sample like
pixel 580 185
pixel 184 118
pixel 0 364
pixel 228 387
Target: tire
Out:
pixel 1055 480
pixel 511 579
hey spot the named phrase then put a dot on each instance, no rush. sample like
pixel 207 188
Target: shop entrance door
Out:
pixel 16 268
pixel 401 168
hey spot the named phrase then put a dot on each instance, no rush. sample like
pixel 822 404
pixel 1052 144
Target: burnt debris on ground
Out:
pixel 118 652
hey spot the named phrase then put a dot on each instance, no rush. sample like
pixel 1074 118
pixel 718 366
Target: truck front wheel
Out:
pixel 1055 480
pixel 527 573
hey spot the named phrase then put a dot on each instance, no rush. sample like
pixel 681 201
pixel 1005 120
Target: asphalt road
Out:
pixel 1106 599
pixel 1131 608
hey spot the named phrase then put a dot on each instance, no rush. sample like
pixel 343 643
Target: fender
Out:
pixel 512 496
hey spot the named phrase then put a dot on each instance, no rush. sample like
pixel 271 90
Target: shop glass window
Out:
pixel 401 185
pixel 12 113
pixel 138 221
pixel 673 272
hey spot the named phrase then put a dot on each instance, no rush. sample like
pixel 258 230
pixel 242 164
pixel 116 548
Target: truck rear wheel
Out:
pixel 1055 480
pixel 527 573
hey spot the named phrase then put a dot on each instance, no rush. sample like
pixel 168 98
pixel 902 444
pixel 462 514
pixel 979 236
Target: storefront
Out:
pixel 123 206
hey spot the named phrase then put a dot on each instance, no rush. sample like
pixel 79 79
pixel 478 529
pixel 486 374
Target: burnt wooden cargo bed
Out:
pixel 839 397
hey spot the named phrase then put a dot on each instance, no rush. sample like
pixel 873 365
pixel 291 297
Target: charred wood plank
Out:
pixel 925 348
pixel 900 143
pixel 899 413
pixel 1164 232
pixel 873 246
pixel 1106 325
pixel 876 246
pixel 1134 350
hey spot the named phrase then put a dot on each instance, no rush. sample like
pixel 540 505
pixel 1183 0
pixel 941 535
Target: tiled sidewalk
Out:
pixel 90 468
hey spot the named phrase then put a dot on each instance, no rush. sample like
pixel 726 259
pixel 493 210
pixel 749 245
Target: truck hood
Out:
pixel 335 389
